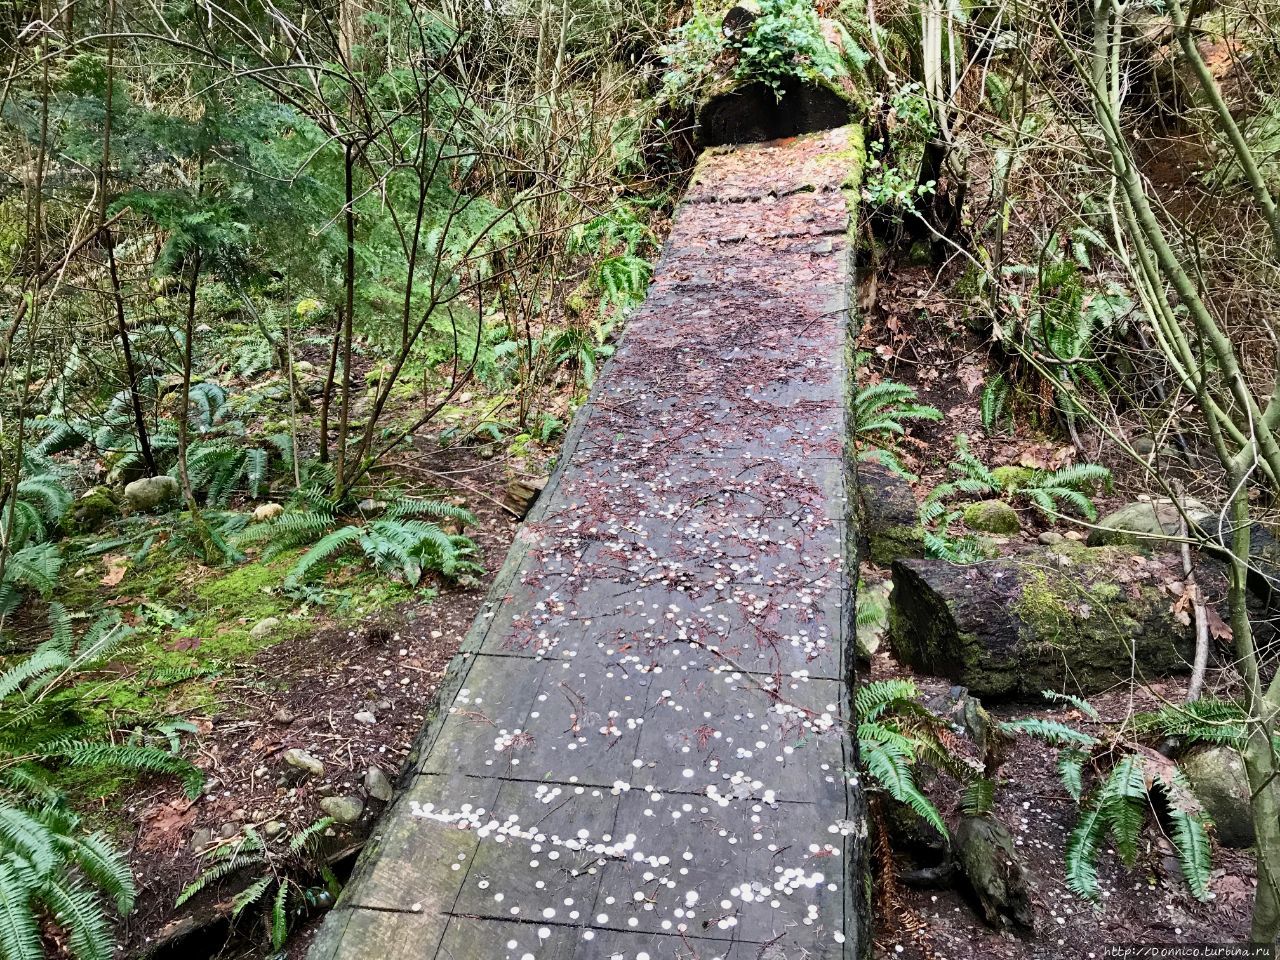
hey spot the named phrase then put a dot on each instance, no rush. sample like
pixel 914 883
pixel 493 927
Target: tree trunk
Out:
pixel 1018 625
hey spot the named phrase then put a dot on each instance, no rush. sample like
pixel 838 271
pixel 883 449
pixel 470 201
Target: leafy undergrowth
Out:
pixel 917 336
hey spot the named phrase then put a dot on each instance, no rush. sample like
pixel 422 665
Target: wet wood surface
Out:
pixel 644 749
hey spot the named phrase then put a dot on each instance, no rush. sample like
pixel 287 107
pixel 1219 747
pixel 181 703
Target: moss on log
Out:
pixel 1078 620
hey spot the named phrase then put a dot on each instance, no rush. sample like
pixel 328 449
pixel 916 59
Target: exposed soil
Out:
pixel 918 336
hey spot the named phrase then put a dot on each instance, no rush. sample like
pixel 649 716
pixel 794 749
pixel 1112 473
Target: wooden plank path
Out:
pixel 646 750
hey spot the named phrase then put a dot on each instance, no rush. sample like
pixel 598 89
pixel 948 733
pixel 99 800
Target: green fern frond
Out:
pixel 330 544
pixel 251 894
pixel 89 753
pixel 877 696
pixel 77 911
pixel 304 838
pixel 1124 805
pixel 1083 847
pixel 1084 706
pixel 979 797
pixel 1071 771
pixel 1050 731
pixel 28 838
pixel 19 933
pixel 280 916
pixel 106 867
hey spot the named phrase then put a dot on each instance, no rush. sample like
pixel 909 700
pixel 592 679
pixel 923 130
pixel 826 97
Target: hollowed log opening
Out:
pixel 754 112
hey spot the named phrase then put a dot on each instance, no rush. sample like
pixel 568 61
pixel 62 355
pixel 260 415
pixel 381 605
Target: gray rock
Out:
pixel 343 809
pixel 1050 538
pixel 992 516
pixel 301 760
pixel 378 784
pixel 272 829
pixel 371 508
pixel 264 627
pixel 150 492
pixel 987 855
pixel 201 837
pixel 283 716
pixel 1219 782
pixel 229 829
pixel 888 515
pixel 365 717
pixel 1144 522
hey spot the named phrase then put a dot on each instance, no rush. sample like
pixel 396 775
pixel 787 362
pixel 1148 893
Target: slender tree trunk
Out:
pixel 349 283
pixel 184 414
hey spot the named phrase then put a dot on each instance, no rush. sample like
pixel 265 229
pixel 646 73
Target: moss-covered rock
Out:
pixel 992 516
pixel 1013 477
pixel 97 507
pixel 1078 620
pixel 888 516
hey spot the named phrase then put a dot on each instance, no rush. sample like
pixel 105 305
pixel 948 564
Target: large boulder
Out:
pixel 1077 619
pixel 150 492
pixel 1147 522
pixel 1219 781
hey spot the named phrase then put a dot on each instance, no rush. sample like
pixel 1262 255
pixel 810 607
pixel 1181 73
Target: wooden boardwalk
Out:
pixel 644 750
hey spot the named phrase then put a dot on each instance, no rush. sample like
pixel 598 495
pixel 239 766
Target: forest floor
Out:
pixel 306 692
pixel 917 335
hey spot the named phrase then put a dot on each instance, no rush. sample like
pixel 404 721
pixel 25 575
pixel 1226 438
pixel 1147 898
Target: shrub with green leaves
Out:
pixel 784 41
pixel 52 869
pixel 1120 782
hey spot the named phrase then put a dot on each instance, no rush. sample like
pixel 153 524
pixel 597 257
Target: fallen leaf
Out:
pixel 971 376
pixel 1219 629
pixel 116 568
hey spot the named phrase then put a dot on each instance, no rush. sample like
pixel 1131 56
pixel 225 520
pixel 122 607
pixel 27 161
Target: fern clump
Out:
pixel 895 732
pixel 881 413
pixel 51 867
pixel 289 877
pixel 1051 492
pixel 404 541
pixel 1119 782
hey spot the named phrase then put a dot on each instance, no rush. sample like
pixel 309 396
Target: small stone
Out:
pixel 283 716
pixel 272 829
pixel 201 837
pixel 378 784
pixel 1051 538
pixel 267 511
pixel 365 717
pixel 992 516
pixel 382 706
pixel 343 809
pixel 264 627
pixel 301 760
pixel 229 829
